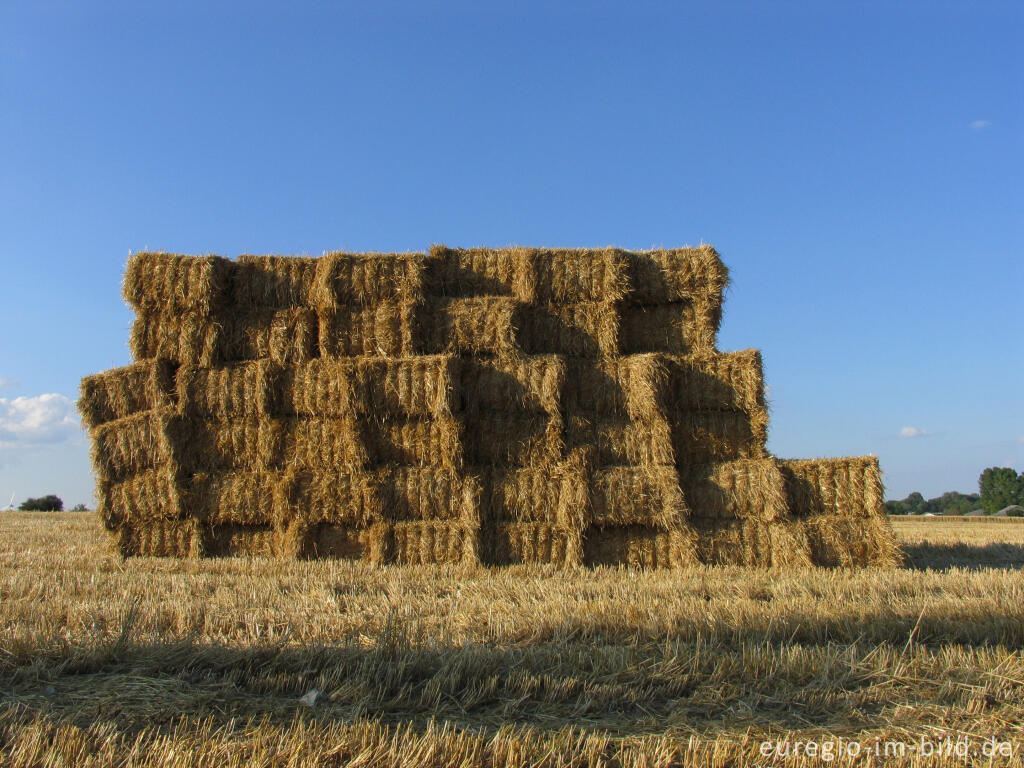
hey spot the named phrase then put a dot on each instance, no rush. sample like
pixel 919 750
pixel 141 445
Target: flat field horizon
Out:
pixel 107 661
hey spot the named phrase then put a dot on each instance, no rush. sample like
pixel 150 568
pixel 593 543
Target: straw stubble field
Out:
pixel 151 661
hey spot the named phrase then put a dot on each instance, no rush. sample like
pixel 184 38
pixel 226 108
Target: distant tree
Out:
pixel 49 503
pixel 913 503
pixel 79 508
pixel 1000 487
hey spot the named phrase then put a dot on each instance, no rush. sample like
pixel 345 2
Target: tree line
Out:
pixel 998 488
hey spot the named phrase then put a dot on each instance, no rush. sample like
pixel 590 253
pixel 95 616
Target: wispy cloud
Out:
pixel 6 382
pixel 49 418
pixel 980 125
pixel 913 432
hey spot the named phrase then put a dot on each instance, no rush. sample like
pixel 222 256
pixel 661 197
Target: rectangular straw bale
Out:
pixel 716 381
pixel 154 494
pixel 557 494
pixel 639 546
pixel 518 384
pixel 125 447
pixel 845 541
pixel 243 540
pixel 233 497
pixel 458 272
pixel 632 495
pixel 205 445
pixel 161 538
pixel 480 324
pixel 166 283
pixel 845 487
pixel 511 543
pixel 274 282
pixel 752 543
pixel 338 497
pixel 672 328
pixel 125 391
pixel 420 385
pixel 748 489
pixel 384 329
pixel 429 542
pixel 702 437
pixel 677 274
pixel 580 329
pixel 428 493
pixel 322 444
pixel 319 388
pixel 513 440
pixel 282 335
pixel 628 385
pixel 621 440
pixel 412 441
pixel 367 279
pixel 229 391
pixel 570 275
pixel 286 336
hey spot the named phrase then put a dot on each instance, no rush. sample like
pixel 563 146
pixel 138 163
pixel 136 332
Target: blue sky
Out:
pixel 857 165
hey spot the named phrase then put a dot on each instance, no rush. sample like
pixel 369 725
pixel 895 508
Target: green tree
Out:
pixel 49 503
pixel 1000 487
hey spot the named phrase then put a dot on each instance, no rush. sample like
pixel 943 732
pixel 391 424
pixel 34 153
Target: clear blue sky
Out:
pixel 858 166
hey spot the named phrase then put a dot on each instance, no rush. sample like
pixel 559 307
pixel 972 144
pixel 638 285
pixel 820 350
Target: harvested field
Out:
pixel 111 662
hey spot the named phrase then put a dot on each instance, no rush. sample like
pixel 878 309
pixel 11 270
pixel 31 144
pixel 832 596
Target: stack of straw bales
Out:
pixel 457 406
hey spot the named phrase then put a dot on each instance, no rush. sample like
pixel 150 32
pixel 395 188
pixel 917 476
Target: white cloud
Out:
pixel 980 125
pixel 913 432
pixel 49 418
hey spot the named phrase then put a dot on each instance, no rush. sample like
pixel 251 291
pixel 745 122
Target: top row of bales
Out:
pixel 159 282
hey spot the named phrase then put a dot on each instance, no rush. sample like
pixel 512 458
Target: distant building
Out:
pixel 975 513
pixel 1014 510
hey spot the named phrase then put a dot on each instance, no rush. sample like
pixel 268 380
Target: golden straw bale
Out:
pixel 748 489
pixel 702 437
pixel 627 385
pixel 319 388
pixel 153 494
pixel 480 324
pixel 556 493
pixel 243 498
pixel 125 447
pixel 161 538
pixel 412 441
pixel 428 493
pixel 125 391
pixel 421 385
pixel 531 542
pixel 384 329
pixel 845 487
pixel 457 272
pixel 513 440
pixel 639 546
pixel 287 336
pixel 678 274
pixel 571 275
pixel 622 440
pixel 321 444
pixel 517 384
pixel 752 543
pixel 367 279
pixel 274 282
pixel 715 381
pixel 428 542
pixel 233 390
pixel 338 497
pixel 846 541
pixel 635 495
pixel 580 329
pixel 674 328
pixel 208 445
pixel 166 283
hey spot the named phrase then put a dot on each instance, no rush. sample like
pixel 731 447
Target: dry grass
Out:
pixel 106 661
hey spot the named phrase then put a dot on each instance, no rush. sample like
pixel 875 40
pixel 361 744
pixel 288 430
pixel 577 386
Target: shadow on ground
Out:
pixel 942 557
